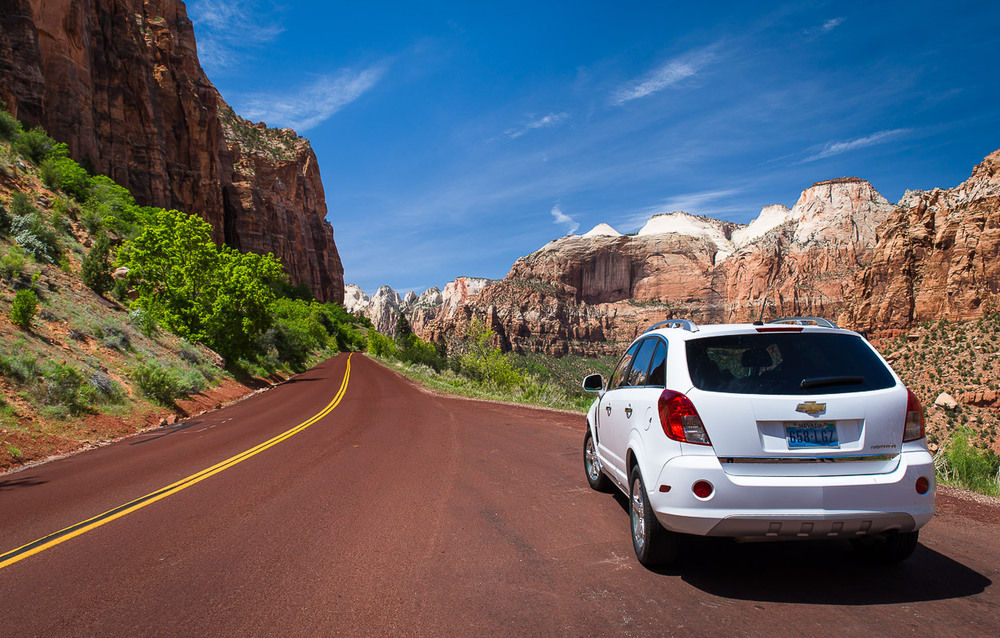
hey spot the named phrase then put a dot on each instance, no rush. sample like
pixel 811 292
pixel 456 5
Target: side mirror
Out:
pixel 593 383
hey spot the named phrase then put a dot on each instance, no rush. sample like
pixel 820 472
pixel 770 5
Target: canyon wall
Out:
pixel 120 83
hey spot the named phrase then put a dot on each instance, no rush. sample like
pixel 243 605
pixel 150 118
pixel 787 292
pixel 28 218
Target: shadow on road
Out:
pixel 821 573
pixel 817 572
pixel 170 429
pixel 28 481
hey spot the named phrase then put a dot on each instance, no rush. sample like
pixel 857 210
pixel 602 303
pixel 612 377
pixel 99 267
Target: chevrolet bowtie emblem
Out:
pixel 811 407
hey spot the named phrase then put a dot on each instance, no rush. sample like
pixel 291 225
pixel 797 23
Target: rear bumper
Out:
pixel 784 507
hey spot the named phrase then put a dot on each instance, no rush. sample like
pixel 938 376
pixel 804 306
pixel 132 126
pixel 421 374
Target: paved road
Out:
pixel 405 513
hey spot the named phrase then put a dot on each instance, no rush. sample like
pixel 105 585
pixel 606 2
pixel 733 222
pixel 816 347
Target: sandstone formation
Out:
pixel 588 294
pixel 384 308
pixel 120 83
pixel 938 257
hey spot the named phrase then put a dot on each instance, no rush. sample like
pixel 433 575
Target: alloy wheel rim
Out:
pixel 638 521
pixel 593 463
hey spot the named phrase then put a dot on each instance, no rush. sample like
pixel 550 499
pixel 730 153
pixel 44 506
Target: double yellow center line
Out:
pixel 42 544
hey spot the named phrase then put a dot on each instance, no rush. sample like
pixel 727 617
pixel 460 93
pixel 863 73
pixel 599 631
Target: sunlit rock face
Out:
pixel 937 257
pixel 589 294
pixel 120 83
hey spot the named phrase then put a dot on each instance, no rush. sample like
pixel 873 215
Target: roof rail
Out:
pixel 806 321
pixel 686 324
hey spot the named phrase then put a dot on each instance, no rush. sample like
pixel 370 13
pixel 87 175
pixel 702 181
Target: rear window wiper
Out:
pixel 819 382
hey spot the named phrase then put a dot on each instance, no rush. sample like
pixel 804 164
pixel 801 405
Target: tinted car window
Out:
pixel 658 366
pixel 789 363
pixel 640 366
pixel 620 377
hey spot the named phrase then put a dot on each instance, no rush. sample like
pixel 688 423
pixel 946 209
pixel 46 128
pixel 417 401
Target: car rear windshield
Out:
pixel 786 363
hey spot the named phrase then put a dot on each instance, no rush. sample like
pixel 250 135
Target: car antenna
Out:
pixel 763 307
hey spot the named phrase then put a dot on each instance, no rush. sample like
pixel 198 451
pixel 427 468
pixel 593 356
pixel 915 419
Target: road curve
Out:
pixel 406 513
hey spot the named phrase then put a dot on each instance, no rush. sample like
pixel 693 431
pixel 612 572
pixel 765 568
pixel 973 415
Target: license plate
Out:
pixel 822 434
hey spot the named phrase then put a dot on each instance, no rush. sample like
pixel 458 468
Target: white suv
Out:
pixel 784 430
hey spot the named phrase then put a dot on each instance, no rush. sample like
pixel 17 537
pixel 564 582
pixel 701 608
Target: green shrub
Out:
pixel 157 382
pixel 31 232
pixel 380 345
pixel 34 145
pixel 13 261
pixel 21 206
pixel 5 220
pixel 20 367
pixel 9 126
pixel 22 311
pixel 101 388
pixel 113 336
pixel 60 172
pixel 62 386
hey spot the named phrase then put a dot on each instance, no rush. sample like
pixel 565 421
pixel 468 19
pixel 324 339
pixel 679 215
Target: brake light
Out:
pixel 679 419
pixel 780 329
pixel 913 427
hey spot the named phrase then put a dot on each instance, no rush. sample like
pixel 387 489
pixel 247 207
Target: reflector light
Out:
pixel 679 419
pixel 702 489
pixel 923 485
pixel 913 426
pixel 664 488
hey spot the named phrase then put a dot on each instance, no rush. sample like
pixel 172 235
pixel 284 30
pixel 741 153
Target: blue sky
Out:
pixel 454 138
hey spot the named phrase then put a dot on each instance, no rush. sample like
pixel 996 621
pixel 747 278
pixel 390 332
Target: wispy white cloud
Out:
pixel 831 24
pixel 562 218
pixel 546 121
pixel 312 104
pixel 226 27
pixel 845 146
pixel 666 75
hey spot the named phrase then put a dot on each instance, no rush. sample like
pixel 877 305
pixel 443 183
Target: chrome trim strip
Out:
pixel 807 459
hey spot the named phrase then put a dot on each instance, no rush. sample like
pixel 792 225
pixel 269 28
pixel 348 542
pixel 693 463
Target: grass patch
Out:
pixel 962 464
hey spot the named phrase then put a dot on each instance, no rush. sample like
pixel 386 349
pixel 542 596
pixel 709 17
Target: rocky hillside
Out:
pixel 938 257
pixel 120 83
pixel 587 294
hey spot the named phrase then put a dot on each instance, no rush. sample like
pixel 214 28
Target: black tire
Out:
pixel 596 477
pixel 653 545
pixel 887 548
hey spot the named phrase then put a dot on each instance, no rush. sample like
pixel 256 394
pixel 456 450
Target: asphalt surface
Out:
pixel 404 513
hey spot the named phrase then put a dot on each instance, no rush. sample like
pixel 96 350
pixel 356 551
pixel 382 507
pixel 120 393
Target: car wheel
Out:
pixel 887 548
pixel 653 545
pixel 596 477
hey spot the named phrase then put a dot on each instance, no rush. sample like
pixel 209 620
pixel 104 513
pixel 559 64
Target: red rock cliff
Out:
pixel 938 257
pixel 120 83
pixel 587 294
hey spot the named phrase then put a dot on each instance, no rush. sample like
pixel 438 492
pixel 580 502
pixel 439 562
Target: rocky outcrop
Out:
pixel 938 257
pixel 588 294
pixel 384 308
pixel 119 82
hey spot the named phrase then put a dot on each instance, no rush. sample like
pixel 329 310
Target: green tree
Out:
pixel 95 271
pixel 403 331
pixel 23 310
pixel 191 287
pixel 485 362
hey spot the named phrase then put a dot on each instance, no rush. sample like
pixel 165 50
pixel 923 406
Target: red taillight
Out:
pixel 702 488
pixel 680 420
pixel 780 329
pixel 913 427
pixel 923 484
